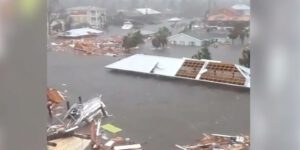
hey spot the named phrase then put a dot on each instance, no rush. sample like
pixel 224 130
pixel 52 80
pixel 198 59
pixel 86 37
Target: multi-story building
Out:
pixel 94 16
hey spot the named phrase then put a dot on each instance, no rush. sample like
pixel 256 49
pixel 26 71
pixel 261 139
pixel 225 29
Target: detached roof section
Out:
pixel 81 32
pixel 240 7
pixel 205 35
pixel 186 68
pixel 148 64
pixel 200 35
pixel 148 11
pixel 175 19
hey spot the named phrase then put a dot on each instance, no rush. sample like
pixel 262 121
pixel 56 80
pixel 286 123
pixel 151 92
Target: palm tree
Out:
pixel 233 34
pixel 245 58
pixel 203 54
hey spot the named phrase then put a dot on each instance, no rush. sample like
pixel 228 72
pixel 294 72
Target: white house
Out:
pixel 94 16
pixel 193 38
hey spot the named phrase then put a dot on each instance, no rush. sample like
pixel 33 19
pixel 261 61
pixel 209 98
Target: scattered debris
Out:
pixel 72 143
pixel 203 70
pixel 54 96
pixel 85 112
pixel 70 132
pixel 91 46
pixel 219 142
pixel 111 128
pixel 128 147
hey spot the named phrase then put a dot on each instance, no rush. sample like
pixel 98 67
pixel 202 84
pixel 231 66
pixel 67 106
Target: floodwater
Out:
pixel 155 111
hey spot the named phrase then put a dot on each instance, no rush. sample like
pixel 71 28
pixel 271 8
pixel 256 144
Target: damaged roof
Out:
pixel 81 32
pixel 187 68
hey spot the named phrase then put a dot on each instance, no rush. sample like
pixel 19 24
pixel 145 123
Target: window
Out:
pixel 93 12
pixel 192 43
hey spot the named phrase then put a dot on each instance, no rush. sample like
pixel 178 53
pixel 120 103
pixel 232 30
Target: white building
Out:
pixel 193 38
pixel 94 16
pixel 148 11
pixel 242 9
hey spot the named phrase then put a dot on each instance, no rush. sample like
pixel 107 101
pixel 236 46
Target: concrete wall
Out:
pixel 182 39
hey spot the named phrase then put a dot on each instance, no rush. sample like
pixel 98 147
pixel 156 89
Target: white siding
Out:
pixel 182 39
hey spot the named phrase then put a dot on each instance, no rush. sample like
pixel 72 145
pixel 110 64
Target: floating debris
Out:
pixel 219 142
pixel 111 128
pixel 91 46
pixel 186 68
pixel 70 132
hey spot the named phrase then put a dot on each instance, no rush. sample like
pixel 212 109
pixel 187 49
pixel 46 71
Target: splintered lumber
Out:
pixel 128 147
pixel 219 142
pixel 72 143
pixel 60 135
pixel 55 96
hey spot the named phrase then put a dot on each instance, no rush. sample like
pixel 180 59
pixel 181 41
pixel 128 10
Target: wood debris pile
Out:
pixel 54 96
pixel 219 142
pixel 91 46
pixel 81 128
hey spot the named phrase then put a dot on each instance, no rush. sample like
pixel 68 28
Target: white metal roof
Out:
pixel 136 63
pixel 147 32
pixel 148 11
pixel 148 64
pixel 81 32
pixel 240 7
pixel 175 19
pixel 167 66
pixel 83 8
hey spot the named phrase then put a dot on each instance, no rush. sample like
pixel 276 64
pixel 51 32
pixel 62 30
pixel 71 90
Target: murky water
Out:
pixel 158 112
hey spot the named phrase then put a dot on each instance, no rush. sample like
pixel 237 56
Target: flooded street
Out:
pixel 154 111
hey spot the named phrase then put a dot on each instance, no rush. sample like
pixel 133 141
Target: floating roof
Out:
pixel 200 35
pixel 148 11
pixel 175 19
pixel 83 8
pixel 81 32
pixel 147 32
pixel 240 7
pixel 186 68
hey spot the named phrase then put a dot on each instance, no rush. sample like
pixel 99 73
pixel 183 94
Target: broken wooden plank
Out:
pixel 127 147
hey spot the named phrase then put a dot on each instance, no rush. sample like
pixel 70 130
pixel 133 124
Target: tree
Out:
pixel 138 37
pixel 245 59
pixel 68 23
pixel 164 31
pixel 203 54
pixel 242 37
pixel 156 43
pixel 233 34
pixel 162 36
pixel 238 31
pixel 128 42
pixel 132 40
pixel 191 25
pixel 163 40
